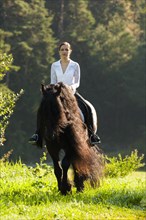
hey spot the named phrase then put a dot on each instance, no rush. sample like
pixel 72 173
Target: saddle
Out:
pixel 87 113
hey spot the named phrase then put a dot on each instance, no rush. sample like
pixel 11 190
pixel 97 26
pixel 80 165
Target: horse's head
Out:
pixel 52 88
pixel 57 106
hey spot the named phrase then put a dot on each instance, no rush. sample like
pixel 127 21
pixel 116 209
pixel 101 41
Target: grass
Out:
pixel 31 194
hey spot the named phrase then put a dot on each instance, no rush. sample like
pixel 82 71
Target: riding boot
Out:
pixel 33 139
pixel 94 139
pixel 36 139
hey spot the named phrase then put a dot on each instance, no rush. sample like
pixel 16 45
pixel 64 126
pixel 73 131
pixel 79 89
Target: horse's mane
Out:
pixel 63 105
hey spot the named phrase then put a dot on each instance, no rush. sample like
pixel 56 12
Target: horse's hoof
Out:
pixel 65 192
pixel 80 189
pixel 66 189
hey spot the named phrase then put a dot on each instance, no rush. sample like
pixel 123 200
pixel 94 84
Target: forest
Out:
pixel 108 41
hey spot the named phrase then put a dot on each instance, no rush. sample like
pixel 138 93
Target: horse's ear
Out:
pixel 43 88
pixel 57 88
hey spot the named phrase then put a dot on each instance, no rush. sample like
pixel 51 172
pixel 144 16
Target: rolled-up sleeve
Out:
pixel 53 75
pixel 76 78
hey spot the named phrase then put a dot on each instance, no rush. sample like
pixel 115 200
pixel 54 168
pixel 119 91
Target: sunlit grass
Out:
pixel 31 194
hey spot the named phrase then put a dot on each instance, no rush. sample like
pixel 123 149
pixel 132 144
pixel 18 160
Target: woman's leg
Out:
pixel 90 117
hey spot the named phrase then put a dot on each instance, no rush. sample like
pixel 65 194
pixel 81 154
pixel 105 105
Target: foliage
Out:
pixel 120 167
pixel 42 169
pixel 6 157
pixel 114 44
pixel 4 48
pixel 5 62
pixel 80 21
pixel 7 103
pixel 25 194
pixel 7 97
pixel 32 45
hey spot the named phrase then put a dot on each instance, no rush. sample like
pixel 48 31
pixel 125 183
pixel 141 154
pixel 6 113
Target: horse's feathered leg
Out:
pixel 66 186
pixel 58 171
pixel 79 181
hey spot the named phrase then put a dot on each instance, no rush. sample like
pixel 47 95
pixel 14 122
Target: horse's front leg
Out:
pixel 66 186
pixel 58 172
pixel 79 181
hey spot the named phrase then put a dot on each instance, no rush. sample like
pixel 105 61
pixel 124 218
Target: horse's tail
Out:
pixel 87 160
pixel 89 163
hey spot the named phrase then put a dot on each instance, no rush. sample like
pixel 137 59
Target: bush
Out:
pixel 118 166
pixel 7 97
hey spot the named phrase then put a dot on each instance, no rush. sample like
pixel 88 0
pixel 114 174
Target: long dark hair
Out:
pixel 65 43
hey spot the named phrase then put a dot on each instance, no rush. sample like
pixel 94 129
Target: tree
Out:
pixel 108 42
pixel 32 45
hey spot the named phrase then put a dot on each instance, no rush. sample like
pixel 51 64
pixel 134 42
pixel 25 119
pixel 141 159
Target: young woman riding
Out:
pixel 68 71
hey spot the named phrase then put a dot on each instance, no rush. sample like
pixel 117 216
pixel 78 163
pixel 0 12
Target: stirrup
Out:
pixel 94 139
pixel 34 139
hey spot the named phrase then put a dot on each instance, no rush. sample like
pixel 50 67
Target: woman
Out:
pixel 67 71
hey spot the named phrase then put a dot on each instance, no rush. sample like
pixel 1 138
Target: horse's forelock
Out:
pixel 45 89
pixel 56 89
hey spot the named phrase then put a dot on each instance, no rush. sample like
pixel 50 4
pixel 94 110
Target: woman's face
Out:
pixel 65 51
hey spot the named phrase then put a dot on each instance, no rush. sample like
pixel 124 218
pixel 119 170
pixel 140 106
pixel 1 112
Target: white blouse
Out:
pixel 71 76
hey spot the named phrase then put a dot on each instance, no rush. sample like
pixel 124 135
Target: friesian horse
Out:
pixel 62 128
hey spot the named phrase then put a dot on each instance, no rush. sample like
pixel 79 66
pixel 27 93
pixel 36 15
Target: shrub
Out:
pixel 118 166
pixel 7 97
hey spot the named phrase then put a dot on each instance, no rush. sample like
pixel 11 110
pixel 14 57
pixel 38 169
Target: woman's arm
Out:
pixel 53 75
pixel 77 78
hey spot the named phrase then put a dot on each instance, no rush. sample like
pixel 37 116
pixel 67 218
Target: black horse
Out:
pixel 61 127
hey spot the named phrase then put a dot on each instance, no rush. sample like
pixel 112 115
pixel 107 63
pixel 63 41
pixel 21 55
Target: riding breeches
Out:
pixel 90 111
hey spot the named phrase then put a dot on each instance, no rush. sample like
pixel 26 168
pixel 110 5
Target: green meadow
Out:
pixel 30 193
